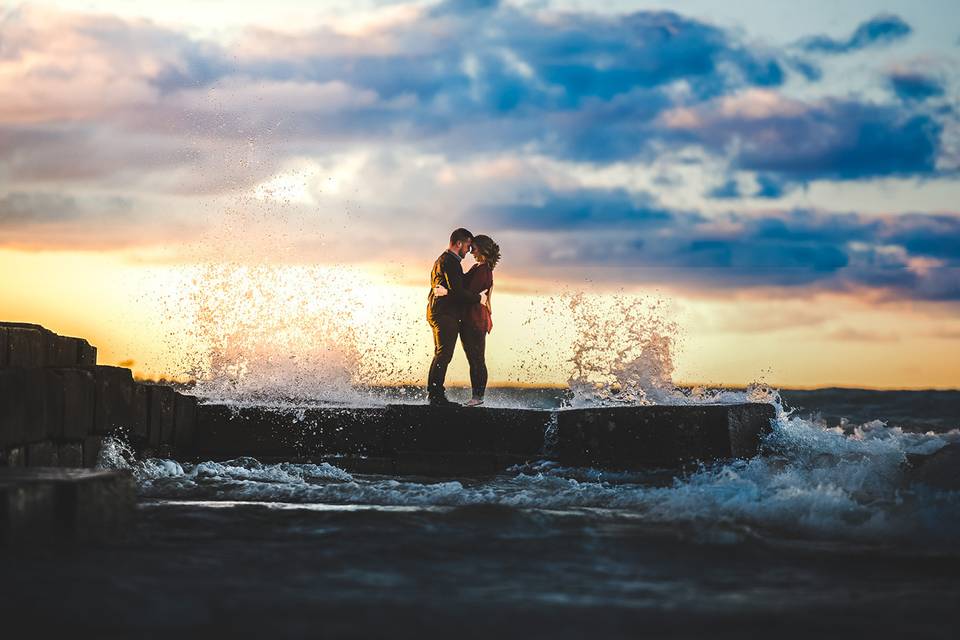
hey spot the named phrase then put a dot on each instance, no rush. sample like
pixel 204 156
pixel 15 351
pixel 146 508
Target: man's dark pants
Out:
pixel 446 328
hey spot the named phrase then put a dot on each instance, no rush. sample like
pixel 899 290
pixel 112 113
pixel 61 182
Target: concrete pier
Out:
pixel 447 441
pixel 57 405
pixel 660 435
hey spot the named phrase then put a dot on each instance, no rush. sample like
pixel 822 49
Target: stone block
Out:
pixel 43 405
pixel 114 406
pixel 38 506
pixel 484 439
pixel 141 413
pixel 424 428
pixel 3 346
pixel 79 398
pixel 467 429
pixel 70 454
pixel 225 432
pixel 184 422
pixel 356 431
pixel 13 407
pixel 43 454
pixel 55 403
pixel 519 431
pixel 747 424
pixel 86 353
pixel 656 436
pixel 26 345
pixel 28 510
pixel 13 457
pixel 91 450
pixel 162 401
pixel 62 351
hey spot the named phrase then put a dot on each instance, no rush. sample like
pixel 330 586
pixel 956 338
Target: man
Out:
pixel 444 313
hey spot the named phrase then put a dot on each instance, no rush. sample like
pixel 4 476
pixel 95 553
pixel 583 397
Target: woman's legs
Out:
pixel 474 345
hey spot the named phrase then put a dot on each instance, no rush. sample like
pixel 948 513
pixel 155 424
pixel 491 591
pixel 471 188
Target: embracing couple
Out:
pixel 459 305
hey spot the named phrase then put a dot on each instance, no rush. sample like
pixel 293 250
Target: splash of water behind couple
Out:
pixel 459 305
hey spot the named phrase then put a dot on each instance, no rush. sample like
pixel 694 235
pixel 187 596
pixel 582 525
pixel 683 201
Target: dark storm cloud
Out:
pixel 581 209
pixel 914 85
pixel 460 7
pixel 881 29
pixel 520 60
pixel 729 190
pixel 913 256
pixel 770 187
pixel 935 236
pixel 849 141
pixel 458 79
pixel 832 140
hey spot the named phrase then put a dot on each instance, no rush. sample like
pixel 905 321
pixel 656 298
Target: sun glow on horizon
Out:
pixel 321 324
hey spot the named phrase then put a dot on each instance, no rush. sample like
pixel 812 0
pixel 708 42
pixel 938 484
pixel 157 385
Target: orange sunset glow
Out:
pixel 198 200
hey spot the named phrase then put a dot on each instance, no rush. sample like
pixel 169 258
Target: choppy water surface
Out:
pixel 812 483
pixel 820 535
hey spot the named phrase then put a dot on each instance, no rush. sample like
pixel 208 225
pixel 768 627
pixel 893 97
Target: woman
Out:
pixel 477 319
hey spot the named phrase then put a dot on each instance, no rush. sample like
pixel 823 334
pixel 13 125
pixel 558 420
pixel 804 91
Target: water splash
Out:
pixel 272 333
pixel 624 349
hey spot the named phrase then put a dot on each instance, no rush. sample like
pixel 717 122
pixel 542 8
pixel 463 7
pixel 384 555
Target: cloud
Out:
pixel 882 29
pixel 580 209
pixel 770 187
pixel 930 235
pixel 19 208
pixel 729 190
pixel 50 219
pixel 914 85
pixel 461 7
pixel 799 141
pixel 913 256
pixel 432 98
pixel 854 334
pixel 458 79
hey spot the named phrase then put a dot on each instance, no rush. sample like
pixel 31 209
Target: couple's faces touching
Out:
pixel 463 248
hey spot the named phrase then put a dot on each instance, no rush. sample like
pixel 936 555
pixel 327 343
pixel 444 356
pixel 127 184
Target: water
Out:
pixel 812 483
pixel 821 535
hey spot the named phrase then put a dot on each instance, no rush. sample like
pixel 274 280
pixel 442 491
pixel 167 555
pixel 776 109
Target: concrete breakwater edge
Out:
pixel 59 409
pixel 57 405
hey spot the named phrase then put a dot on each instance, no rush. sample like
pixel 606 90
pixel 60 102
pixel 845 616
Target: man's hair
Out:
pixel 460 235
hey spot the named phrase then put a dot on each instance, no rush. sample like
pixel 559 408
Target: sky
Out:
pixel 214 183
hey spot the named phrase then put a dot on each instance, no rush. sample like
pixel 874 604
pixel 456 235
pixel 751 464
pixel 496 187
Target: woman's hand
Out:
pixel 484 298
pixel 439 291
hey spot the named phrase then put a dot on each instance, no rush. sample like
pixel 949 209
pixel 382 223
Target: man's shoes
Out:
pixel 443 402
pixel 474 402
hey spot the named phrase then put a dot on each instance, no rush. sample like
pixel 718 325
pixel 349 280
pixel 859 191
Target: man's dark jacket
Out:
pixel 448 273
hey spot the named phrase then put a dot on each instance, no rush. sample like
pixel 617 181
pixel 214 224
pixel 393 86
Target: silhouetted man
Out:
pixel 444 313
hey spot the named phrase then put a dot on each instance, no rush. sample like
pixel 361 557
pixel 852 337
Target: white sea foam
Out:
pixel 811 482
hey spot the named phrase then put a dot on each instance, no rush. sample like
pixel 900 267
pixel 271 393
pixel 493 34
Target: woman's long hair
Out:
pixel 489 249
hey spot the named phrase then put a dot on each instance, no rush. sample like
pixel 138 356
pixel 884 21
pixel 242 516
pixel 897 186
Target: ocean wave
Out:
pixel 810 482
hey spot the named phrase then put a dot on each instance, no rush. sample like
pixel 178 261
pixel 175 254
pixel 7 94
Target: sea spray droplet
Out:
pixel 623 351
